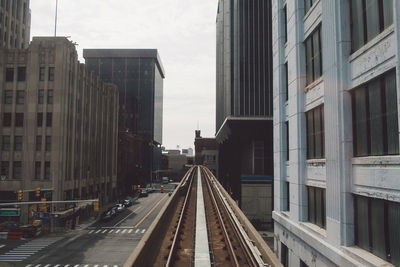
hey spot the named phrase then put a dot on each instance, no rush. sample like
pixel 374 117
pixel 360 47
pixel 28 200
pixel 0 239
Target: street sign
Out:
pixel 9 212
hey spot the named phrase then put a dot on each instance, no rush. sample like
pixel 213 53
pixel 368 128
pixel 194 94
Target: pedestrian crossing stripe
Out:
pixel 70 265
pixel 116 231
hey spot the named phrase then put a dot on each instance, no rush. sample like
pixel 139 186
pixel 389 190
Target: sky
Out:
pixel 183 31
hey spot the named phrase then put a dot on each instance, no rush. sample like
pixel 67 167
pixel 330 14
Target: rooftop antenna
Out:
pixel 55 23
pixel 198 127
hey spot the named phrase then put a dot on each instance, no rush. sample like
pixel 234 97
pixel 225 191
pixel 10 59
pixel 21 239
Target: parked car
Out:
pixel 120 208
pixel 165 180
pixel 109 214
pixel 127 202
pixel 144 193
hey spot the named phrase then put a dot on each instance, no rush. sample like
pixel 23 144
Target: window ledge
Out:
pixel 377 160
pixel 314 228
pixel 313 84
pixel 285 213
pixel 316 162
pixel 371 43
pixel 365 256
pixel 310 10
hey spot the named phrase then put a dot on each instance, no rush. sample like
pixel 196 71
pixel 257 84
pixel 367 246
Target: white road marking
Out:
pixel 91 231
pixel 38 265
pixel 66 265
pixel 123 231
pixel 130 231
pixel 98 231
pixel 76 265
pixel 137 231
pixel 87 265
pixel 29 265
pixel 117 231
pixel 104 231
pixel 144 230
pixel 2 246
pixel 58 265
pixel 96 265
pixel 48 265
pixel 111 231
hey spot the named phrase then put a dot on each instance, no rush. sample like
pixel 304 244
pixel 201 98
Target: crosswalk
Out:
pixel 71 265
pixel 120 231
pixel 27 249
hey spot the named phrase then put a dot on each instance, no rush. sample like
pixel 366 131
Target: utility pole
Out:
pixel 55 22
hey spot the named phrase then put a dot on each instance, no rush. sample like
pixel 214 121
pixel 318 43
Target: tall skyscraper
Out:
pixel 336 127
pixel 138 74
pixel 244 103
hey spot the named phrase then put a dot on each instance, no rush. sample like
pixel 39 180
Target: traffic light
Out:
pixel 162 189
pixel 43 206
pixel 96 205
pixel 37 191
pixel 20 195
pixel 138 188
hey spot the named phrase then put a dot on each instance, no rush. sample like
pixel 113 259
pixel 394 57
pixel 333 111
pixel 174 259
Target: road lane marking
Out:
pixel 98 231
pixel 123 231
pixel 137 231
pixel 48 265
pixel 96 265
pixel 111 231
pixel 121 221
pixel 144 230
pixel 130 231
pixel 91 231
pixel 38 265
pixel 151 211
pixel 117 231
pixel 104 231
pixel 76 265
pixel 58 265
pixel 66 265
pixel 29 265
pixel 2 246
pixel 87 265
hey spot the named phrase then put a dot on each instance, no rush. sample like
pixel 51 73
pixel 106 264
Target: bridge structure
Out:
pixel 201 225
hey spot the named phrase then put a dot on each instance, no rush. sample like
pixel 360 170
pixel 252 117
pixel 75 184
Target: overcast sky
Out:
pixel 183 31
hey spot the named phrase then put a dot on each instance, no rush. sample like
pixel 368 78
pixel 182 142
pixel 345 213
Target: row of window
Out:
pixel 21 74
pixel 17 170
pixel 6 143
pixel 20 97
pixel 19 119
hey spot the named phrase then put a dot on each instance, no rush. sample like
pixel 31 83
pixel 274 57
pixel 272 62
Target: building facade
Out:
pixel 206 152
pixel 58 125
pixel 244 103
pixel 336 126
pixel 138 74
pixel 15 24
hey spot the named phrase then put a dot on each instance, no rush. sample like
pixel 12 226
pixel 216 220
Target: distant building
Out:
pixel 58 125
pixel 174 164
pixel 15 24
pixel 336 127
pixel 138 74
pixel 206 152
pixel 187 151
pixel 244 105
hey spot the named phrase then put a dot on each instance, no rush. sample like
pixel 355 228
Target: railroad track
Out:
pixel 204 230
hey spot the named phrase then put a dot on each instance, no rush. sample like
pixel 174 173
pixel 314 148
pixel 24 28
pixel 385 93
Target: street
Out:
pixel 103 243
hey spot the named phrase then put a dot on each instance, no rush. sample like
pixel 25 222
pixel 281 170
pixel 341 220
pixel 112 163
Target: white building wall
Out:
pixel 341 174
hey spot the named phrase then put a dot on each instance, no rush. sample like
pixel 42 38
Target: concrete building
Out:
pixel 15 24
pixel 58 125
pixel 206 152
pixel 244 104
pixel 336 102
pixel 138 74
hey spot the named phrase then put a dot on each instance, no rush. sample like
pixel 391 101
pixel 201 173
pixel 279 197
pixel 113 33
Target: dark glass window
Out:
pixel 315 133
pixel 368 19
pixel 20 97
pixel 284 255
pixel 7 119
pixel 287 140
pixel 5 169
pixel 19 119
pixel 50 96
pixel 316 206
pixel 287 196
pixel 8 96
pixel 286 82
pixel 21 74
pixel 42 71
pixel 308 4
pixel 9 74
pixel 285 22
pixel 47 170
pixel 377 227
pixel 38 143
pixel 38 170
pixel 17 168
pixel 17 143
pixel 313 56
pixel 5 143
pixel 48 143
pixel 375 122
pixel 51 73
pixel 39 119
pixel 40 96
pixel 49 119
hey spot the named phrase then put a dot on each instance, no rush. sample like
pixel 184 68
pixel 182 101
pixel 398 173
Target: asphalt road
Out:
pixel 103 244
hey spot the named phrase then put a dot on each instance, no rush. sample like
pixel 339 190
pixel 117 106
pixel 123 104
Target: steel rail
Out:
pixel 231 251
pixel 178 228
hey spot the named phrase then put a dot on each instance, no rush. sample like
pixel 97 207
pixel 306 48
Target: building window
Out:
pixel 19 119
pixel 42 71
pixel 377 227
pixel 39 119
pixel 21 74
pixel 50 96
pixel 20 97
pixel 375 122
pixel 315 133
pixel 38 170
pixel 368 19
pixel 51 73
pixel 17 143
pixel 38 143
pixel 313 56
pixel 287 184
pixel 47 170
pixel 5 169
pixel 9 74
pixel 7 119
pixel 285 22
pixel 308 4
pixel 5 143
pixel 49 119
pixel 40 96
pixel 8 96
pixel 17 168
pixel 316 206
pixel 48 143
pixel 284 255
pixel 287 140
pixel 286 82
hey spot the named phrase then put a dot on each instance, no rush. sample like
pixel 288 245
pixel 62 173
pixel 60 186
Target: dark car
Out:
pixel 109 214
pixel 120 208
pixel 127 202
pixel 143 193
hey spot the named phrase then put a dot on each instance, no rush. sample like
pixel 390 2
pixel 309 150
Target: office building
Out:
pixel 15 23
pixel 336 101
pixel 244 105
pixel 58 126
pixel 138 74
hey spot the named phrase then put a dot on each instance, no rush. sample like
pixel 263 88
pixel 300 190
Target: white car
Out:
pixel 120 207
